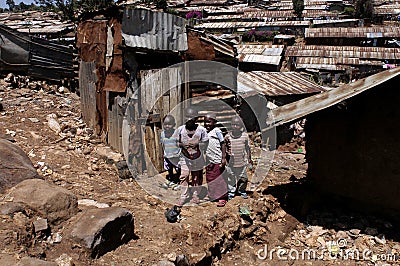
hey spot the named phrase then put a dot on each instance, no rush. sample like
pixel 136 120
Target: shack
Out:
pixel 352 141
pixel 27 55
pixel 119 48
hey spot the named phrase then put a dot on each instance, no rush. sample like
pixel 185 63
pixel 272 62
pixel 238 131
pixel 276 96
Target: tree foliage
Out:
pixel 69 8
pixel 11 5
pixel 160 4
pixel 364 9
pixel 298 6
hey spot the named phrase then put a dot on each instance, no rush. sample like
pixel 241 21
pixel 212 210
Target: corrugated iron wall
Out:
pixel 34 57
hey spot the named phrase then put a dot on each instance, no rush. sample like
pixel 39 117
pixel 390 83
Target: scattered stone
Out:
pixel 90 202
pixel 34 120
pixel 107 152
pixel 40 224
pixel 166 263
pixel 102 230
pixel 182 260
pixel 172 257
pixel 15 165
pixel 123 170
pixel 9 208
pixel 95 167
pixel 380 239
pixel 52 202
pixel 354 232
pixel 64 260
pixel 56 238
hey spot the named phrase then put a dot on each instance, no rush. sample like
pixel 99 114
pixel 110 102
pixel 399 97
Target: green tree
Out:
pixel 364 9
pixel 11 5
pixel 69 8
pixel 298 7
pixel 160 4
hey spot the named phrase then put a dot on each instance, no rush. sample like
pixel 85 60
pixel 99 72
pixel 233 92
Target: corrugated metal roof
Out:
pixel 335 21
pixel 388 9
pixel 36 22
pixel 343 52
pixel 276 83
pixel 245 24
pixel 261 59
pixel 301 108
pixel 154 30
pixel 228 25
pixel 260 49
pixel 348 32
pixel 319 13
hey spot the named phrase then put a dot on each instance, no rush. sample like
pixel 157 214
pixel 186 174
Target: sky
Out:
pixel 3 2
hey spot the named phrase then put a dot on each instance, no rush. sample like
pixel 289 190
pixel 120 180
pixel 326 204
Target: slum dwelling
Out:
pixel 352 143
pixel 24 54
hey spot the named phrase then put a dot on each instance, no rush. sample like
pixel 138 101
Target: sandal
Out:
pixel 221 203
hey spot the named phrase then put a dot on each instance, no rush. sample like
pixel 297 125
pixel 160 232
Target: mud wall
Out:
pixel 353 149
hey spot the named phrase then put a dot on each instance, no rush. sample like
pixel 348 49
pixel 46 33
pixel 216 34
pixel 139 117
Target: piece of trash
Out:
pixel 172 214
pixel 244 211
pixel 300 150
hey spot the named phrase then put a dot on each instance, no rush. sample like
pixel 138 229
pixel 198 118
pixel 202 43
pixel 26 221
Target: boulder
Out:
pixel 52 202
pixel 15 165
pixel 102 230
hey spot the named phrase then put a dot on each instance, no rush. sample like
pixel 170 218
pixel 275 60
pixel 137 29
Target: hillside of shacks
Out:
pixel 84 108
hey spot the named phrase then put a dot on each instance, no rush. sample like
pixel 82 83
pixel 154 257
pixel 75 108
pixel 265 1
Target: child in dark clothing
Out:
pixel 171 152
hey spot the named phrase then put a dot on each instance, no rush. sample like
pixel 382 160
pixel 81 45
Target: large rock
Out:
pixel 102 230
pixel 52 202
pixel 15 165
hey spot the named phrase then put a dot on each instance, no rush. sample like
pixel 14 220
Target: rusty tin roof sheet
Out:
pixel 244 24
pixel 154 30
pixel 343 52
pixel 276 83
pixel 351 32
pixel 301 108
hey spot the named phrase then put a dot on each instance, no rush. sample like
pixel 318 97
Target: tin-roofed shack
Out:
pixel 352 141
pixel 119 48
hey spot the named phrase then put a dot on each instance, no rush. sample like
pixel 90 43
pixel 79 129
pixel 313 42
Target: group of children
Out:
pixel 226 158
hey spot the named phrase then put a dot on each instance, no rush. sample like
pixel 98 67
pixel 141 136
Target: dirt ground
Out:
pixel 206 235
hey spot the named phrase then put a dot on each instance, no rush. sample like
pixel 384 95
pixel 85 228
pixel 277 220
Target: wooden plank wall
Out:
pixel 154 82
pixel 115 120
pixel 87 85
